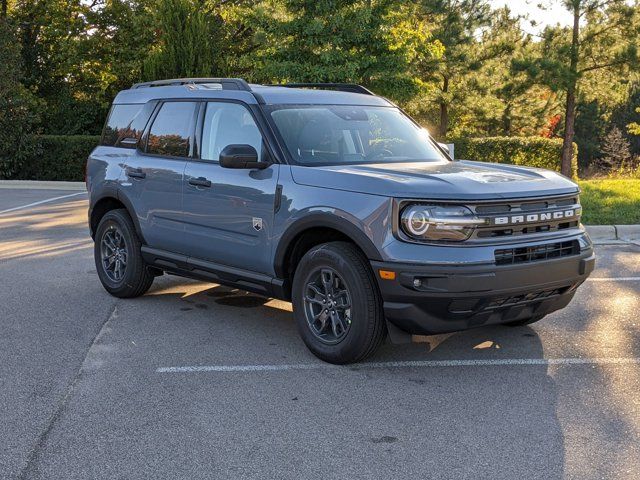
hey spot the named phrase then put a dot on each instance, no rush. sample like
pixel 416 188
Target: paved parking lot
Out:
pixel 94 387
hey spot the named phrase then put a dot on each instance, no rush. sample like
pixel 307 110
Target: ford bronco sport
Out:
pixel 331 197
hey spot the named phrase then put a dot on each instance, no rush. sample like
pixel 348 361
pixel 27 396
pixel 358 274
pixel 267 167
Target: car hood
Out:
pixel 457 180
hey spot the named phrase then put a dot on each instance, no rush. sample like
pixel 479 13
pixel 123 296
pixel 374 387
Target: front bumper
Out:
pixel 452 298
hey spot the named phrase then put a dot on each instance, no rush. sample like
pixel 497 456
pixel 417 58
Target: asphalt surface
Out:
pixel 81 394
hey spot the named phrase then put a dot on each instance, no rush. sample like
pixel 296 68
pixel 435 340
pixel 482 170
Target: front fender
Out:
pixel 363 234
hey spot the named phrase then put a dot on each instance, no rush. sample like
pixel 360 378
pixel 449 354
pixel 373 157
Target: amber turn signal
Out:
pixel 387 274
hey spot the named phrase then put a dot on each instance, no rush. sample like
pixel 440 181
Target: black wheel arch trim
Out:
pixel 319 220
pixel 116 194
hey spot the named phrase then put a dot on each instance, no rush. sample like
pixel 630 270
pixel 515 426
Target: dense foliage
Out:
pixel 459 67
pixel 56 157
pixel 369 42
pixel 16 105
pixel 531 151
pixel 185 38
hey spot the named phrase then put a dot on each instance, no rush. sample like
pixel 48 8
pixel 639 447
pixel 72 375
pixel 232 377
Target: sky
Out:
pixel 554 13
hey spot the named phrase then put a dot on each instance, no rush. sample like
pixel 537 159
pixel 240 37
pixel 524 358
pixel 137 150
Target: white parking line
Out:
pixel 41 202
pixel 405 364
pixel 614 279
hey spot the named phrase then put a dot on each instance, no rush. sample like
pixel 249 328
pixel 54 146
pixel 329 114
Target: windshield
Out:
pixel 346 134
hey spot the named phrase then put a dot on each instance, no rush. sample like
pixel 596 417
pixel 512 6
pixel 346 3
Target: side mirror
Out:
pixel 445 147
pixel 240 156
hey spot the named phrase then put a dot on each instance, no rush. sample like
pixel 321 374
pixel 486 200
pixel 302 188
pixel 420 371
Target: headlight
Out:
pixel 434 222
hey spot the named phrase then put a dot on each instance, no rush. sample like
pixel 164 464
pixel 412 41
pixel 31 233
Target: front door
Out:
pixel 228 213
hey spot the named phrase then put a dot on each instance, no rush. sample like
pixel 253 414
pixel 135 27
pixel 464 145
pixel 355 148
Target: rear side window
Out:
pixel 121 124
pixel 170 133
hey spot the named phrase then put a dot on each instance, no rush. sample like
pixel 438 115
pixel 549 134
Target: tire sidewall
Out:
pixel 357 336
pixel 133 252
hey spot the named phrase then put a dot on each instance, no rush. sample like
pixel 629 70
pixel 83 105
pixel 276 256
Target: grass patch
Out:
pixel 610 201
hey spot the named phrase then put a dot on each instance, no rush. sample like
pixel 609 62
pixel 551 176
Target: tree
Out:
pixel 616 151
pixel 455 25
pixel 362 41
pixel 16 105
pixel 185 43
pixel 633 127
pixel 112 57
pixel 454 64
pixel 590 130
pixel 495 99
pixel 52 34
pixel 603 37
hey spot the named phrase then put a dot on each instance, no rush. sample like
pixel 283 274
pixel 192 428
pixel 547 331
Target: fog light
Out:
pixel 417 283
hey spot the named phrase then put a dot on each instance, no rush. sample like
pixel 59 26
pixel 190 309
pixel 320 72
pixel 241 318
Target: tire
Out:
pixel 526 321
pixel 135 278
pixel 364 323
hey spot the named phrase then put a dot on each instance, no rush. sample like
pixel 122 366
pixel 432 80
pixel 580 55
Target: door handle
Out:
pixel 135 173
pixel 200 182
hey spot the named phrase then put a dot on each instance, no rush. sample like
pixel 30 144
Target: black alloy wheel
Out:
pixel 114 253
pixel 328 306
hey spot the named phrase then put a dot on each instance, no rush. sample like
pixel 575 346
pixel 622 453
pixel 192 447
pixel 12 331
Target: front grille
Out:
pixel 536 253
pixel 524 230
pixel 525 208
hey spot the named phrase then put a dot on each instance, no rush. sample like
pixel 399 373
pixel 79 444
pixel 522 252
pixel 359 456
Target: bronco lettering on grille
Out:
pixel 536 217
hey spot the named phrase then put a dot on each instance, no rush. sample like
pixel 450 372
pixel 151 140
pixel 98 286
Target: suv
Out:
pixel 330 197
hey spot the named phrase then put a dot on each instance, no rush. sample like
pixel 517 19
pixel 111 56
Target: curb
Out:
pixel 43 185
pixel 613 233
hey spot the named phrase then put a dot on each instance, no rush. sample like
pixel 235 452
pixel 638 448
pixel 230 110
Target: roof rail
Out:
pixel 342 87
pixel 225 83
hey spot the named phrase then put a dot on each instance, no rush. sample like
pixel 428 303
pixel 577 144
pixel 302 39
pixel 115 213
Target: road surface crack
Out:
pixel 34 455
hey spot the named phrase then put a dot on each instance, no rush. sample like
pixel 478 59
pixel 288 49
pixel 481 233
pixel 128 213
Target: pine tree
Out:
pixel 185 42
pixel 455 24
pixel 607 41
pixel 616 151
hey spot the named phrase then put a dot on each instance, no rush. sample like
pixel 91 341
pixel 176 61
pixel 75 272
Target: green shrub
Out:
pixel 529 151
pixel 56 157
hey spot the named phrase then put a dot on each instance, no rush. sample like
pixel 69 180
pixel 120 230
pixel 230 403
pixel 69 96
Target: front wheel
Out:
pixel 121 268
pixel 337 305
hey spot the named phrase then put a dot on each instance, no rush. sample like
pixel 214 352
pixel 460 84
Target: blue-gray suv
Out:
pixel 331 197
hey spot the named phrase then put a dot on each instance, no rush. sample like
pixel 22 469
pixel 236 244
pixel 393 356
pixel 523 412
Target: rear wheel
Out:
pixel 336 304
pixel 118 258
pixel 526 321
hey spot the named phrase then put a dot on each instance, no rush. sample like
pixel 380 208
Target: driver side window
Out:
pixel 228 124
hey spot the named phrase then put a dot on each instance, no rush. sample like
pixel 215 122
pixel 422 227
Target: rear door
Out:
pixel 155 175
pixel 229 212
